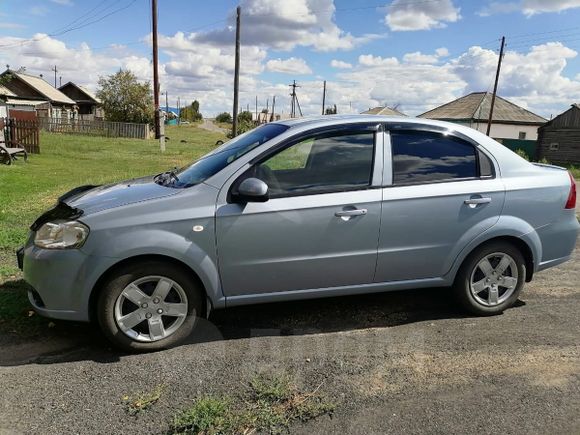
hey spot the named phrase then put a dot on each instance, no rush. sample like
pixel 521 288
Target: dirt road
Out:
pixel 401 362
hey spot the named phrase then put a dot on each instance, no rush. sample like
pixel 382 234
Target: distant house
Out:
pixel 25 91
pixel 510 121
pixel 383 110
pixel 559 139
pixel 89 106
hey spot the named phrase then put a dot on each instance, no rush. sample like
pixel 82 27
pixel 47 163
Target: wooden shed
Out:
pixel 559 139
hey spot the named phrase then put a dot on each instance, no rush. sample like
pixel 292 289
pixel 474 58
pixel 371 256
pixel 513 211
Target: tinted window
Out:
pixel 319 164
pixel 212 163
pixel 420 157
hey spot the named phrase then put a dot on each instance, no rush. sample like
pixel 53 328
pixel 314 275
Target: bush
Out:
pixel 520 152
pixel 245 116
pixel 224 117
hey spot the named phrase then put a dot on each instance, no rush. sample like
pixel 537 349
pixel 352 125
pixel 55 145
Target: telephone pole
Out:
pixel 495 85
pixel 155 70
pixel 273 108
pixel 55 71
pixel 294 104
pixel 236 74
pixel 166 104
pixel 323 96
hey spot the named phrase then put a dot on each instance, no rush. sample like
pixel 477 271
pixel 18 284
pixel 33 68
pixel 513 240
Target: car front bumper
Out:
pixel 61 280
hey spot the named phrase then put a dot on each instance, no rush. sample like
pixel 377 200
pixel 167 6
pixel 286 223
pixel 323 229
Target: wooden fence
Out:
pixel 22 132
pixel 96 128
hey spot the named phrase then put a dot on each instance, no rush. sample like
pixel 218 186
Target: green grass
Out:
pixel 575 171
pixel 270 405
pixel 67 161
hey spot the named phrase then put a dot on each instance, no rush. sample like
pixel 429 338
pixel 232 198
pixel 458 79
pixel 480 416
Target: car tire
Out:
pixel 482 287
pixel 130 295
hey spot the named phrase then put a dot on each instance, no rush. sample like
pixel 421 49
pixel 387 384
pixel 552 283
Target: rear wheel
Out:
pixel 491 278
pixel 149 306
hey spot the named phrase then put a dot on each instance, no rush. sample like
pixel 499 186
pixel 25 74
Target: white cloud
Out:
pixel 38 10
pixel 291 65
pixel 373 61
pixel 340 64
pixel 529 7
pixel 420 58
pixel 63 2
pixel 442 52
pixel 285 25
pixel 407 15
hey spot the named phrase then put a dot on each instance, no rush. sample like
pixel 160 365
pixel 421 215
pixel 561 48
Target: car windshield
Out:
pixel 215 161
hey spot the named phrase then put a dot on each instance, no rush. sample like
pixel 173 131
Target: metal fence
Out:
pixel 96 128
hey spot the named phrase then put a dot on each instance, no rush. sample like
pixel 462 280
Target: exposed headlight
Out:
pixel 61 235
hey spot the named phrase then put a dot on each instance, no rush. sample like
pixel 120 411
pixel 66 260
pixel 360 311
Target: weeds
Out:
pixel 142 401
pixel 270 405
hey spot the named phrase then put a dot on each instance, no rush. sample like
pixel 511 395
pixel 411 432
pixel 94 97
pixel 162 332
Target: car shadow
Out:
pixel 69 341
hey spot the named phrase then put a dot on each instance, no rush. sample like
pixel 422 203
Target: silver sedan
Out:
pixel 307 208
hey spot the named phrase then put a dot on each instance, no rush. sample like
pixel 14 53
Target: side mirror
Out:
pixel 252 190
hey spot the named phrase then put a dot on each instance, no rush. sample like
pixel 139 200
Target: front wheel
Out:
pixel 149 306
pixel 491 279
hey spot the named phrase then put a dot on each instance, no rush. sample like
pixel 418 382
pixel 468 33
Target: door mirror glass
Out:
pixel 251 190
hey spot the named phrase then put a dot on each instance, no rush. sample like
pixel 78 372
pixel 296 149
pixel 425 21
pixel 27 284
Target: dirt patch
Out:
pixel 547 367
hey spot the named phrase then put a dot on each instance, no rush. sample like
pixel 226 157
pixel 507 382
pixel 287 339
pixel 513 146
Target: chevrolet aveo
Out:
pixel 302 209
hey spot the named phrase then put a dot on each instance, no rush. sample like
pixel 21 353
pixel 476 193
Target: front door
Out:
pixel 320 227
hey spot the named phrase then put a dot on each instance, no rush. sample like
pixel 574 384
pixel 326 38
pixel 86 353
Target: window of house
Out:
pixel 318 164
pixel 422 157
pixel 554 146
pixel 522 135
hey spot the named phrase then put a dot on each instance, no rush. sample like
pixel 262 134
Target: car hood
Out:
pixel 92 199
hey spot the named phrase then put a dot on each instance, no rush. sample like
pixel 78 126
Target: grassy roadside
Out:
pixel 67 161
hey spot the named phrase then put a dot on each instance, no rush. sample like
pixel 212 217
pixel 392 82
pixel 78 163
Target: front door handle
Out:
pixel 473 202
pixel 347 214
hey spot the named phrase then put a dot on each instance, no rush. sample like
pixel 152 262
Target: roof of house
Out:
pixel 383 110
pixel 43 87
pixel 476 107
pixel 5 92
pixel 84 90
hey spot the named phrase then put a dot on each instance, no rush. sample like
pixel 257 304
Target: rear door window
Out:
pixel 424 157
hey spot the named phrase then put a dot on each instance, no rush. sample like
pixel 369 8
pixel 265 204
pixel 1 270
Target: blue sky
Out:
pixel 412 53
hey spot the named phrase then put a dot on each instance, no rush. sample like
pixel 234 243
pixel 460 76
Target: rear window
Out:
pixel 423 157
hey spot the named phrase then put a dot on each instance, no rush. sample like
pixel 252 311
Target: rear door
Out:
pixel 440 192
pixel 320 227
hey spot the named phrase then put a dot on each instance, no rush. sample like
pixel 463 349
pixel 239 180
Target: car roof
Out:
pixel 322 120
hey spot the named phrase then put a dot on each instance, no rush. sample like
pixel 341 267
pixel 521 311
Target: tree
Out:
pixel 245 116
pixel 125 99
pixel 224 117
pixel 191 113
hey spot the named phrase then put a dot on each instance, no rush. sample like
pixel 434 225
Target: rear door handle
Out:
pixel 347 214
pixel 477 201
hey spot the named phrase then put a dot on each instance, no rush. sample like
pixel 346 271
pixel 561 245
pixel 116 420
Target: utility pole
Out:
pixel 236 74
pixel 295 102
pixel 178 110
pixel 55 71
pixel 495 85
pixel 273 108
pixel 257 109
pixel 323 96
pixel 156 72
pixel 60 81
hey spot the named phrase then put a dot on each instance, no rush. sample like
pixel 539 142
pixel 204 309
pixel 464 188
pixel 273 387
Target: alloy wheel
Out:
pixel 494 279
pixel 151 308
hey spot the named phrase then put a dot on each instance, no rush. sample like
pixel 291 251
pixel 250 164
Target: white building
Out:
pixel 510 121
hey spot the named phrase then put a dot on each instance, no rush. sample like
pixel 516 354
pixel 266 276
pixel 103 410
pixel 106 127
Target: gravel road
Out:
pixel 401 362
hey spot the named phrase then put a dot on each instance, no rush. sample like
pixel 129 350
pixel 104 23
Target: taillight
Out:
pixel 571 203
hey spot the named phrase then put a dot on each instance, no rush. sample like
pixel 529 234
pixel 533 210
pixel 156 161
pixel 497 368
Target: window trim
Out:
pixel 345 129
pixel 413 127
